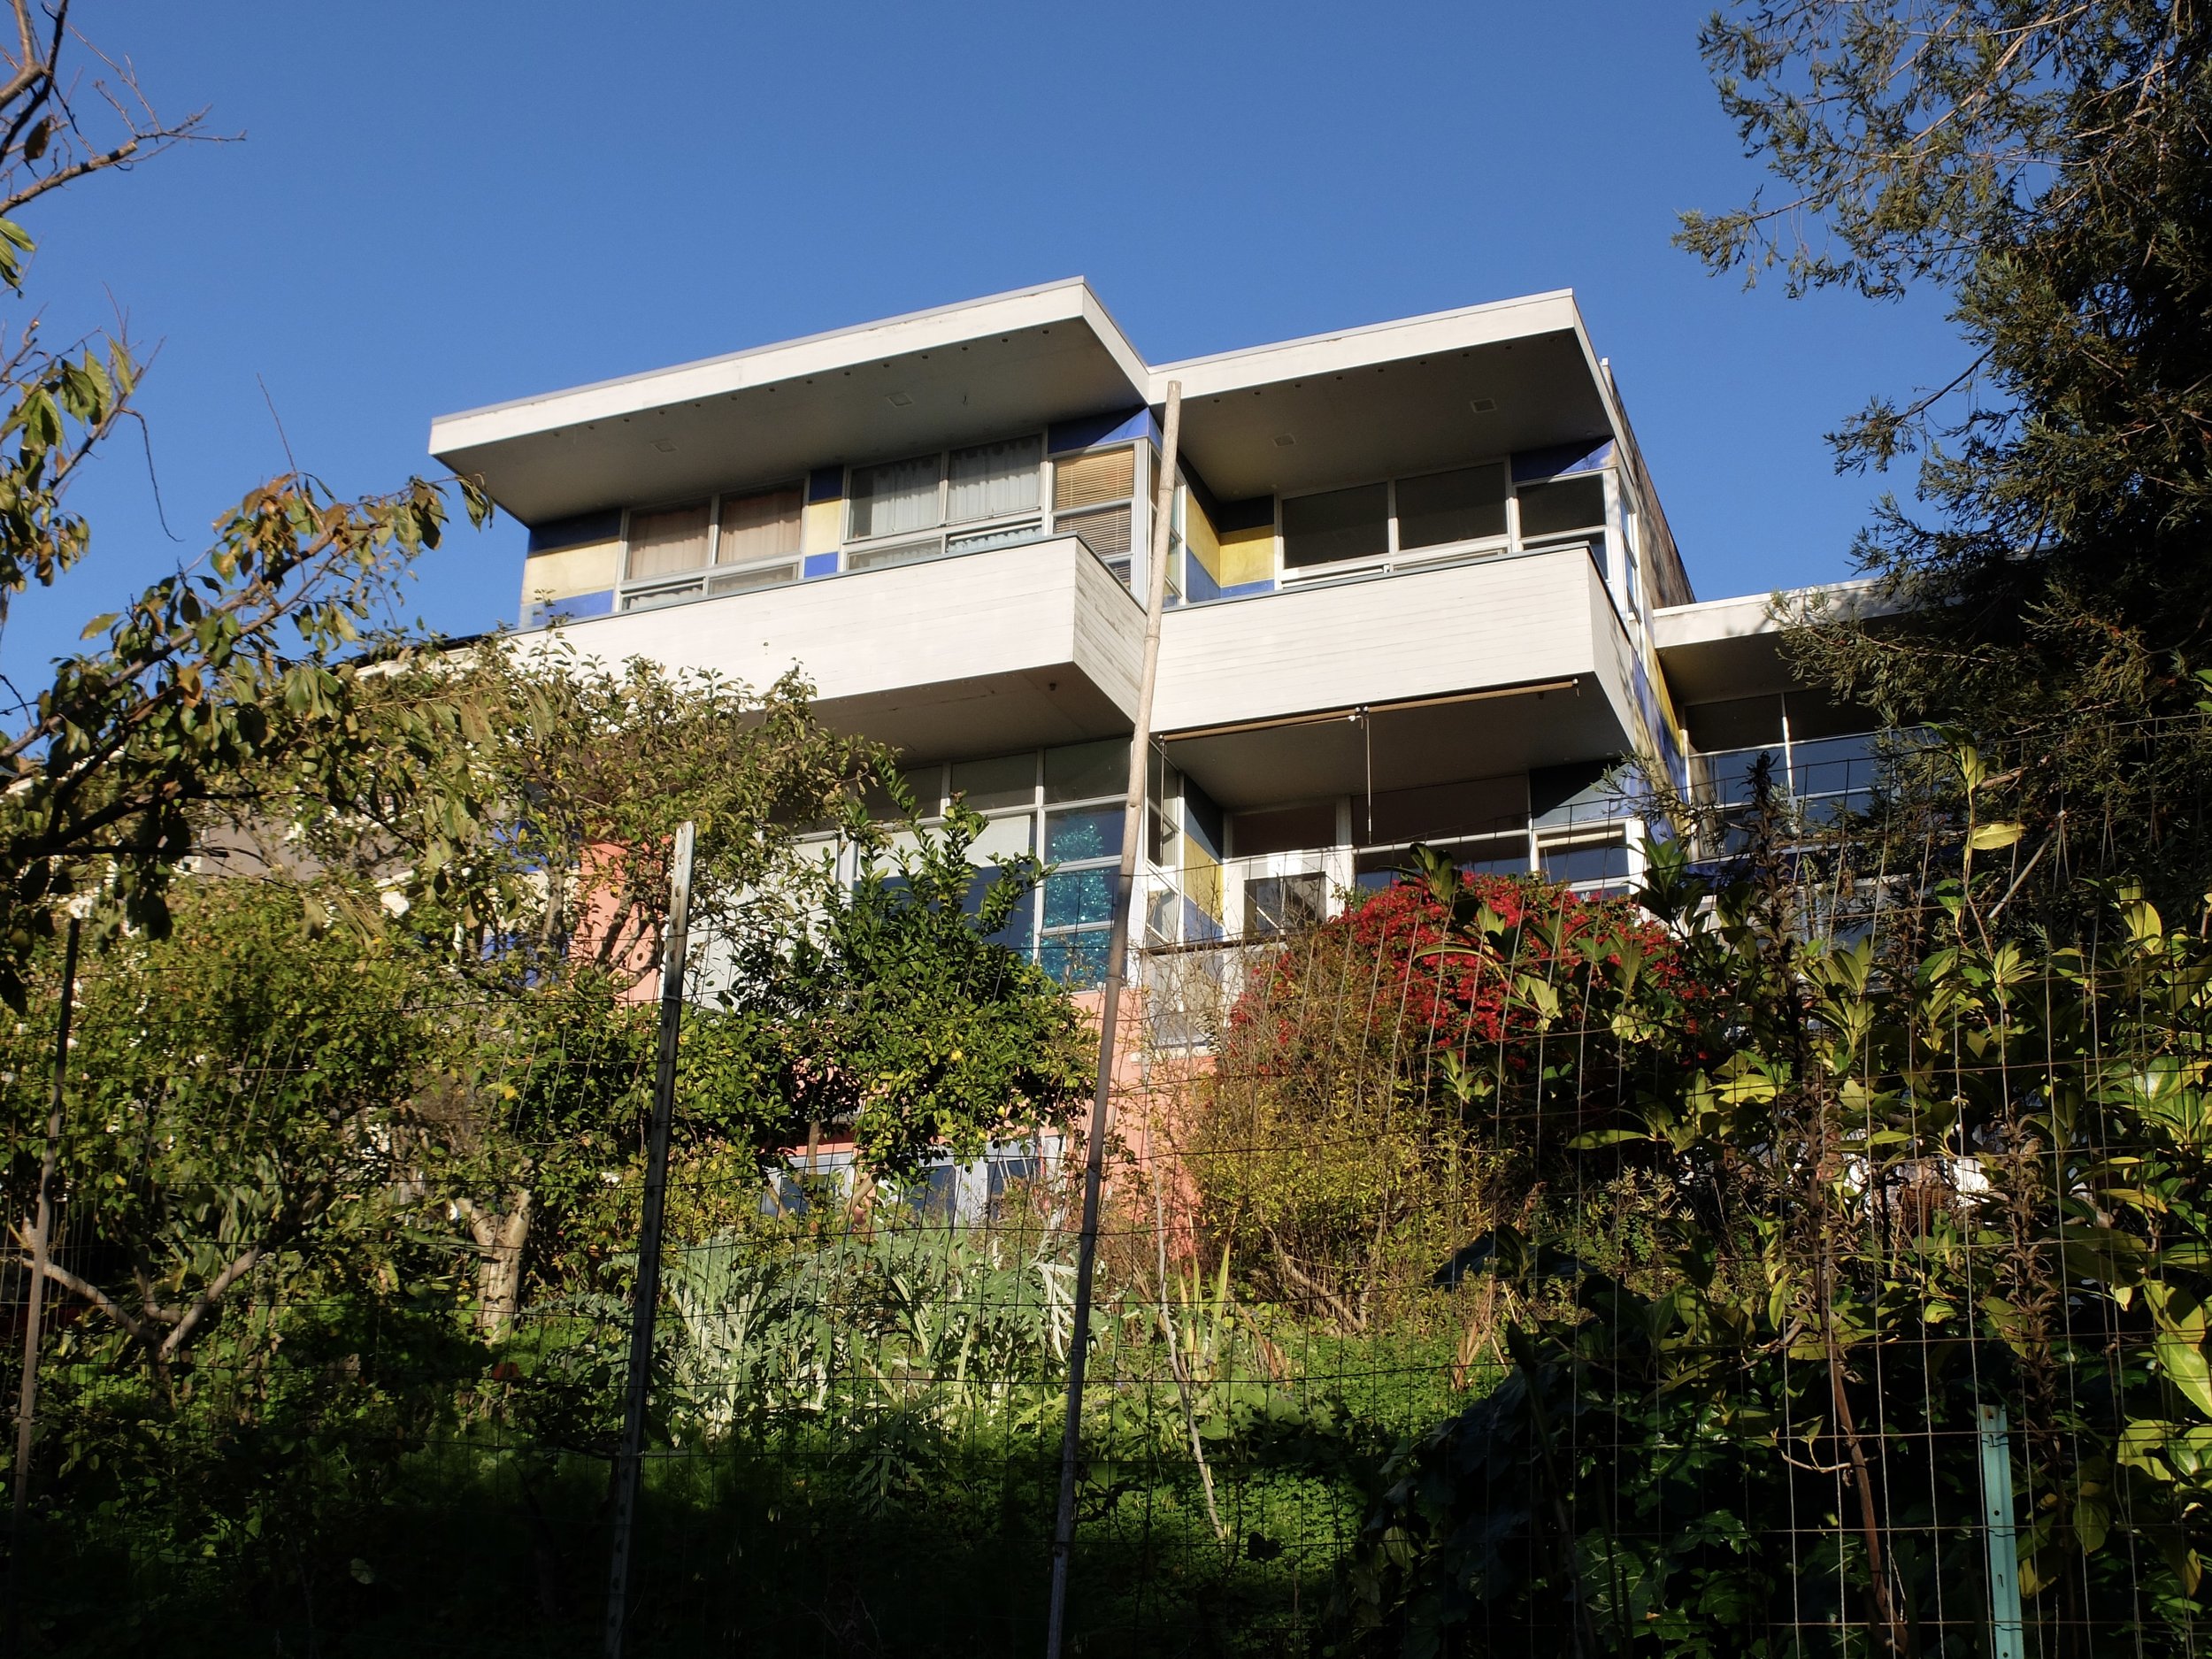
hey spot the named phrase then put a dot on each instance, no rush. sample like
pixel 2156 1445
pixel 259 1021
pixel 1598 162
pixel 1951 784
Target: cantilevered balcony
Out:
pixel 1498 665
pixel 976 654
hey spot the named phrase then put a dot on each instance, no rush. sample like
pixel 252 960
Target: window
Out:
pixel 1082 488
pixel 1467 505
pixel 992 480
pixel 895 497
pixel 668 541
pixel 764 526
pixel 1561 506
pixel 1587 863
pixel 1337 524
pixel 1284 904
pixel 1284 829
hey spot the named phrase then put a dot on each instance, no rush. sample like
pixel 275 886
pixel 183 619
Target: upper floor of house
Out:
pixel 1485 433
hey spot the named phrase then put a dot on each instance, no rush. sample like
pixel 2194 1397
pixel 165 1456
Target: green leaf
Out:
pixel 2184 1363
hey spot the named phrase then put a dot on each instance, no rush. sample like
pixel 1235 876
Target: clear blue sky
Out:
pixel 435 207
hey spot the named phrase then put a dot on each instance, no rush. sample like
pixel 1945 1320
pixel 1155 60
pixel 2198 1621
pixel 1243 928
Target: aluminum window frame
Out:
pixel 682 587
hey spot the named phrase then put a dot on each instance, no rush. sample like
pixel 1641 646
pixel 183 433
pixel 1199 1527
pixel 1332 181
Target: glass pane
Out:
pixel 1013 535
pixel 1083 479
pixel 671 540
pixel 1280 905
pixel 1341 524
pixel 993 480
pixel 1020 930
pixel 1460 506
pixel 1076 960
pixel 755 577
pixel 1002 838
pixel 1006 780
pixel 1830 766
pixel 897 553
pixel 1603 861
pixel 1562 507
pixel 1087 833
pixel 660 597
pixel 1073 897
pixel 1083 771
pixel 1283 829
pixel 764 526
pixel 1729 775
pixel 1105 532
pixel 897 495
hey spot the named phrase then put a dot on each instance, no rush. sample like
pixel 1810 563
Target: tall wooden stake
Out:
pixel 649 1248
pixel 1110 1014
pixel 41 1248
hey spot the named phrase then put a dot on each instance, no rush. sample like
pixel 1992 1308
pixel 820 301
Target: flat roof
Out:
pixel 1399 396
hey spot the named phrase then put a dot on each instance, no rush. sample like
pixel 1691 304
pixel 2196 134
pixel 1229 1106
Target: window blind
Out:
pixel 1086 480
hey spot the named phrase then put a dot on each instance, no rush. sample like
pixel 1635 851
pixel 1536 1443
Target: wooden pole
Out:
pixel 674 948
pixel 1110 1014
pixel 41 1248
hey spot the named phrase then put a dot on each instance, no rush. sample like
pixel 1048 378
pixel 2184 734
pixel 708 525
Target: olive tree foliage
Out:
pixel 236 669
pixel 2047 167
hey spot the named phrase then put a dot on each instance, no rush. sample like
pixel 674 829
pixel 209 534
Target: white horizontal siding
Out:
pixel 1018 611
pixel 1500 622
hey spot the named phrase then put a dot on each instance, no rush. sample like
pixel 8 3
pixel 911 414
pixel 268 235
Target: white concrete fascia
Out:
pixel 1068 300
pixel 1334 353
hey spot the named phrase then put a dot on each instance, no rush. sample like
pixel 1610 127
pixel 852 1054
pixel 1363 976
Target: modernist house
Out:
pixel 1422 588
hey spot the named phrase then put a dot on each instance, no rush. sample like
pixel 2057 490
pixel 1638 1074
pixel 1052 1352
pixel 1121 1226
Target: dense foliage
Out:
pixel 1380 1085
pixel 2047 168
pixel 1887 1190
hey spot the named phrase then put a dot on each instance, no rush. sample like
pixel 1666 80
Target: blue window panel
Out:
pixel 1086 832
pixel 1201 585
pixel 1076 960
pixel 1557 459
pixel 826 483
pixel 1091 430
pixel 820 564
pixel 1237 591
pixel 577 530
pixel 1074 897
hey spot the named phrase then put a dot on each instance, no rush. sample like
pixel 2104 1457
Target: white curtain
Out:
pixel 663 543
pixel 992 480
pixel 762 526
pixel 895 496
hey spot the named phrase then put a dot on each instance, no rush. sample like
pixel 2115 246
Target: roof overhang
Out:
pixel 1400 397
pixel 932 379
pixel 1724 648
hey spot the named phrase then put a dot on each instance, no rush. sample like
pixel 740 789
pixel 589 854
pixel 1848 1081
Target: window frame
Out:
pixel 943 536
pixel 1397 556
pixel 645 592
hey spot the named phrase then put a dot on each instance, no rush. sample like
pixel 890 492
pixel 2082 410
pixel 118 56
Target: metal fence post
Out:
pixel 2001 1533
pixel 648 1253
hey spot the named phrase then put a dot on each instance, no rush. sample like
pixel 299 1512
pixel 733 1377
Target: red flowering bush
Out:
pixel 1384 1079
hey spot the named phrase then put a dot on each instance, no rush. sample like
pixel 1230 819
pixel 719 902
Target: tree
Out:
pixel 243 664
pixel 239 1116
pixel 2048 167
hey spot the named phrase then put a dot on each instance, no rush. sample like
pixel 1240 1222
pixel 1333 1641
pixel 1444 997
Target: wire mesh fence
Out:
pixel 1802 1260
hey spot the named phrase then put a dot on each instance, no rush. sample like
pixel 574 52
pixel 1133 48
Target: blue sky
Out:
pixel 439 206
